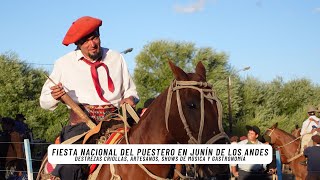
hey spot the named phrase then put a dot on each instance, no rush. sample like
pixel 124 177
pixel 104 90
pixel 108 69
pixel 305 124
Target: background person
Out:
pixel 307 127
pixel 313 161
pixel 250 171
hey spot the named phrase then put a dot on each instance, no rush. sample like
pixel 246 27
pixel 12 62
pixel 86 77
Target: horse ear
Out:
pixel 201 70
pixel 274 126
pixel 297 126
pixel 178 73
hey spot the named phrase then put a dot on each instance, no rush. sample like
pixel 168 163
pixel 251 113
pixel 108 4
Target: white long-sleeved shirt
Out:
pixel 75 76
pixel 250 167
pixel 307 125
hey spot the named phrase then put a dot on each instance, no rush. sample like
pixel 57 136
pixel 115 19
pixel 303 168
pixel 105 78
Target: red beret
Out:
pixel 80 28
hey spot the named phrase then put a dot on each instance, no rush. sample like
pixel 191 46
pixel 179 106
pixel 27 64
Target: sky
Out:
pixel 273 37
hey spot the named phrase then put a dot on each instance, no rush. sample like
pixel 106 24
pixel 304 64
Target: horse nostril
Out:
pixel 192 106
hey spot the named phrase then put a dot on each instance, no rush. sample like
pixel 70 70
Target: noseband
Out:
pixel 209 94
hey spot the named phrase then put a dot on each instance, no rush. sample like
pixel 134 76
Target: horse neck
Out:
pixel 151 128
pixel 283 139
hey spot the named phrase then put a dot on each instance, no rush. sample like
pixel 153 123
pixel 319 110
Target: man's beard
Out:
pixel 96 55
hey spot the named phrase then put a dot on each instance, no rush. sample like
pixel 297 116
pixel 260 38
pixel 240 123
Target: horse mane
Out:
pixel 286 133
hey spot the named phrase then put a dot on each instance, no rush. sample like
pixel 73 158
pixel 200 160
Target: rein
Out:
pixel 127 108
pixel 175 87
pixel 199 86
pixel 278 147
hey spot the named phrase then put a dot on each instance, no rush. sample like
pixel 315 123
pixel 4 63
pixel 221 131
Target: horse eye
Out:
pixel 192 106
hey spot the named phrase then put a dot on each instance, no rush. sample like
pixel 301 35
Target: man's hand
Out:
pixel 236 174
pixel 57 91
pixel 234 171
pixel 317 129
pixel 311 119
pixel 129 100
pixel 272 171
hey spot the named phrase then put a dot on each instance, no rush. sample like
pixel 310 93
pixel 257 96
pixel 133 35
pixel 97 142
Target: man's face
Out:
pixel 91 47
pixel 252 136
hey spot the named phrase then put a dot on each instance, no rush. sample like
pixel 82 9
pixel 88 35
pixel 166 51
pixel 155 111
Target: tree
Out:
pixel 152 73
pixel 252 92
pixel 20 87
pixel 277 101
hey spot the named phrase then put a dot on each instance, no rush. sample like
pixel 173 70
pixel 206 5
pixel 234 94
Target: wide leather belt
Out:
pixel 95 112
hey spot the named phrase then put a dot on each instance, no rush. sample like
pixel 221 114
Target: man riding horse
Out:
pixel 96 78
pixel 307 128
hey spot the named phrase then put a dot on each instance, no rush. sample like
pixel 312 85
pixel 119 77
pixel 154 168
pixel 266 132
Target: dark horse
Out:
pixel 289 147
pixel 187 112
pixel 11 151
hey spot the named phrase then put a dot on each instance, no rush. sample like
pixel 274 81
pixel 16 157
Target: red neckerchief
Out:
pixel 93 67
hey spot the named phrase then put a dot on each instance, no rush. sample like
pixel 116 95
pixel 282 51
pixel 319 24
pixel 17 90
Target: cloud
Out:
pixel 259 3
pixel 316 10
pixel 191 8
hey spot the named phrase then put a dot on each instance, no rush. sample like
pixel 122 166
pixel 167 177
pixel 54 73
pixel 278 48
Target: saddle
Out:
pixel 115 127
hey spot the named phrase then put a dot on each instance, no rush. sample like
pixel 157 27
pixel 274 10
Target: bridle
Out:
pixel 207 92
pixel 278 147
pixel 271 131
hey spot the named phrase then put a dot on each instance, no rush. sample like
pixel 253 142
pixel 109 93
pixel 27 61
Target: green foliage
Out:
pixel 277 101
pixel 253 102
pixel 20 87
pixel 152 73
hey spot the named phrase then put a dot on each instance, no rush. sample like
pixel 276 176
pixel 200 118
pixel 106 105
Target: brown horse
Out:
pixel 289 147
pixel 187 112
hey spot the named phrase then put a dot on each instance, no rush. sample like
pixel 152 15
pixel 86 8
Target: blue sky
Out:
pixel 273 37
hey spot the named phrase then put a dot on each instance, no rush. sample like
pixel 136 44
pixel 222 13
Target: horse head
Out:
pixel 296 131
pixel 286 143
pixel 187 112
pixel 199 111
pixel 193 112
pixel 270 132
pixel 289 147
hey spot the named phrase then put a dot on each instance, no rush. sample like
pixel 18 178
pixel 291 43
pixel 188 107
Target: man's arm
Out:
pixel 303 128
pixel 130 95
pixel 234 166
pixel 51 93
pixel 314 119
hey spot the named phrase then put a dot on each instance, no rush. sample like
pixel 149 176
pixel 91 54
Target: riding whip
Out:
pixel 75 107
